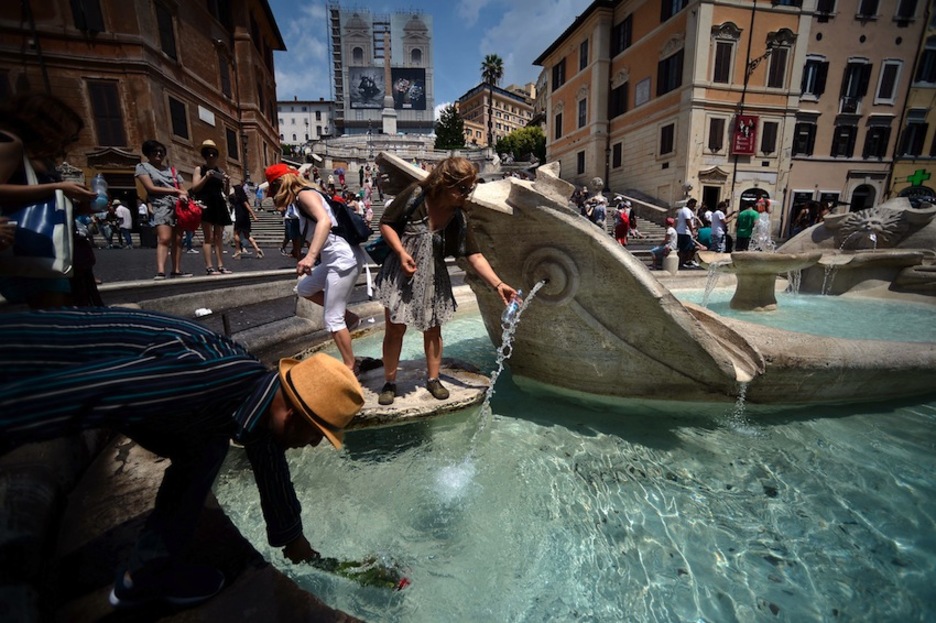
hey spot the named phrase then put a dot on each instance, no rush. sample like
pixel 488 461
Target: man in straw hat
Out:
pixel 183 392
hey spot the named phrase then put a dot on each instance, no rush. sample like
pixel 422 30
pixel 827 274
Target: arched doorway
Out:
pixel 750 196
pixel 862 198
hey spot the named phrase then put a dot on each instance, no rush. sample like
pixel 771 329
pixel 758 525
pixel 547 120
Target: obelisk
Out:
pixel 388 115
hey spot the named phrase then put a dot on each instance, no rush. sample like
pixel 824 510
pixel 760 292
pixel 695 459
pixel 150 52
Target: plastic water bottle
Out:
pixel 510 312
pixel 99 185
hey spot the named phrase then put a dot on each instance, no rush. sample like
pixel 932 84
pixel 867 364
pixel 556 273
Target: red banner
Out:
pixel 744 137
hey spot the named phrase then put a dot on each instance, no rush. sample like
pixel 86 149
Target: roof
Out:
pixel 281 45
pixel 579 20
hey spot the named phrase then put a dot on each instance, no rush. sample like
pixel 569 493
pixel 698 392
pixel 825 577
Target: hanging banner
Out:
pixel 744 137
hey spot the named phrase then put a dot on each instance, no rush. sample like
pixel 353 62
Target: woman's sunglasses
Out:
pixel 464 189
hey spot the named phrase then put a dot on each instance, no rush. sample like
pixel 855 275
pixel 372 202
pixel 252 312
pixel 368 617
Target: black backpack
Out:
pixel 352 227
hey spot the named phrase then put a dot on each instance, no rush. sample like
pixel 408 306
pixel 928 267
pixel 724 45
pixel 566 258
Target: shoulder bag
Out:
pixel 42 243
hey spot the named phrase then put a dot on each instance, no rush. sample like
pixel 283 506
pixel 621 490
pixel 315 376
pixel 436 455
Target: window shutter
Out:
pixel 821 76
pixel 864 79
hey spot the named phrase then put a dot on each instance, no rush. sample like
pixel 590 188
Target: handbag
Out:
pixel 188 211
pixel 42 243
pixel 378 249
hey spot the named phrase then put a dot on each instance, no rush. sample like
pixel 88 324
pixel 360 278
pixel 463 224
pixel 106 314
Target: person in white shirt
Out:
pixel 667 247
pixel 685 231
pixel 719 227
pixel 125 223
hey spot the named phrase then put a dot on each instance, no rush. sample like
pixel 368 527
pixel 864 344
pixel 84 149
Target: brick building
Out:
pixel 178 72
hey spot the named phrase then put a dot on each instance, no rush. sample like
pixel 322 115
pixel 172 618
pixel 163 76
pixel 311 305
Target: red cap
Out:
pixel 670 220
pixel 276 171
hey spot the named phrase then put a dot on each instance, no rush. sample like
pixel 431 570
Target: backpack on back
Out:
pixel 351 226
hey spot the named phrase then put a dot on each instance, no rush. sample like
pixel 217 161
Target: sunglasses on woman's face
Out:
pixel 464 189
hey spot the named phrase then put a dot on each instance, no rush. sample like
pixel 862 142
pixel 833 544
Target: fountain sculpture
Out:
pixel 604 325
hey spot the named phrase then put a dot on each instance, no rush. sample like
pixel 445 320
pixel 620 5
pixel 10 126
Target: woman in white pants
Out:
pixel 331 283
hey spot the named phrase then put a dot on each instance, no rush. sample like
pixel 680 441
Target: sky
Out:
pixel 464 32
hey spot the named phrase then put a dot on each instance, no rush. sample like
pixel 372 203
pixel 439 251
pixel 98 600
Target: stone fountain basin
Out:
pixel 756 272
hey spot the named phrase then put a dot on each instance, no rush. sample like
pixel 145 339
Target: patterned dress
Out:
pixel 424 300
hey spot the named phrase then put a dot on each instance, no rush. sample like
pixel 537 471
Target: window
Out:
pixel 224 73
pixel 875 145
pixel 667 139
pixel 416 57
pixel 887 83
pixel 558 74
pixel 825 6
pixel 843 141
pixel 318 115
pixel 617 103
pixel 87 15
pixel 580 163
pixel 557 133
pixel 583 55
pixel 582 112
pixel 854 84
pixel 722 71
pixel 669 8
pixel 167 40
pixel 815 72
pixel 926 72
pixel 357 55
pixel 768 141
pixel 867 9
pixel 616 151
pixel 621 36
pixel 294 139
pixel 669 73
pixel 914 134
pixel 798 3
pixel 108 118
pixel 179 118
pixel 906 9
pixel 776 72
pixel 804 138
pixel 716 134
pixel 232 150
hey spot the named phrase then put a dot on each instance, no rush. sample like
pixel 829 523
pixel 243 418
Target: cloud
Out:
pixel 305 74
pixel 540 21
pixel 468 10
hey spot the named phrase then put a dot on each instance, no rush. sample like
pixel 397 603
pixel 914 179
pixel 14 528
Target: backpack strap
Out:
pixel 408 213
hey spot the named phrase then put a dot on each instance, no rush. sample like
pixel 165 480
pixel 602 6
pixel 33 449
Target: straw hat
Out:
pixel 208 144
pixel 278 170
pixel 324 391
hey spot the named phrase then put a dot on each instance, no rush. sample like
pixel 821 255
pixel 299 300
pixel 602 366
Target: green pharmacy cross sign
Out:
pixel 919 176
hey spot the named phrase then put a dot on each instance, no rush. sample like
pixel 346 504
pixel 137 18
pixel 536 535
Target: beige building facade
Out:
pixel 711 99
pixel 512 109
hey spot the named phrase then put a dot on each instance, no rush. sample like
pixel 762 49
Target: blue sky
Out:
pixel 464 32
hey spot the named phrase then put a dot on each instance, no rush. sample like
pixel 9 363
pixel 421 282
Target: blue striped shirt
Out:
pixel 64 371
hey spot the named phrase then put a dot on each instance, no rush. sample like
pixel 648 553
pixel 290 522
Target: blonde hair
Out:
pixel 447 174
pixel 289 186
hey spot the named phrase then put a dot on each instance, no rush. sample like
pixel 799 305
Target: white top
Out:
pixel 718 223
pixel 684 218
pixel 671 238
pixel 126 219
pixel 337 252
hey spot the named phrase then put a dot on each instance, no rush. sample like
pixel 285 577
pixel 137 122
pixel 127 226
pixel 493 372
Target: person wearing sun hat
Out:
pixel 210 185
pixel 183 392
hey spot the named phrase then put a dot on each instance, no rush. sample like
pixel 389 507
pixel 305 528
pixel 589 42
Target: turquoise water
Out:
pixel 565 512
pixel 837 316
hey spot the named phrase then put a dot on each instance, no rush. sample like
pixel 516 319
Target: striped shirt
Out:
pixel 64 371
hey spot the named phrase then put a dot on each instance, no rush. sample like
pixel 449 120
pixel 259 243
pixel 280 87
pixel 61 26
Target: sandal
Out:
pixel 159 277
pixel 259 254
pixel 211 270
pixel 225 271
pixel 387 394
pixel 437 390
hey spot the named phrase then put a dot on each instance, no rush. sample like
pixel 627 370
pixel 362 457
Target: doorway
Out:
pixel 711 196
pixel 862 198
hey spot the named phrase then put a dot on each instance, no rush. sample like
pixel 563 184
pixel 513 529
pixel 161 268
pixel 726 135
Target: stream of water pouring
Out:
pixel 452 480
pixel 712 279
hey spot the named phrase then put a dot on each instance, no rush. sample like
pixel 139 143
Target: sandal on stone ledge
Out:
pixel 225 271
pixel 387 394
pixel 211 270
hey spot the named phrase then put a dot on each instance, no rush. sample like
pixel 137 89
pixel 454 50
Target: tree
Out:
pixel 450 129
pixel 523 143
pixel 492 70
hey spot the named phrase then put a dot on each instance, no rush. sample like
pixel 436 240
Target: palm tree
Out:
pixel 492 70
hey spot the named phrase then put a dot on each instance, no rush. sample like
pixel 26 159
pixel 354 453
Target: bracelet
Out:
pixel 499 284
